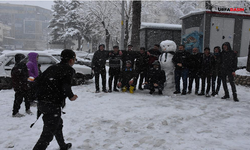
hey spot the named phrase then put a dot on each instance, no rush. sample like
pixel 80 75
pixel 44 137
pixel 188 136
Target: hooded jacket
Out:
pixel 19 74
pixel 228 60
pixel 33 65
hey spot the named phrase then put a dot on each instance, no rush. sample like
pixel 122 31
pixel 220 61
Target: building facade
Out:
pixel 28 25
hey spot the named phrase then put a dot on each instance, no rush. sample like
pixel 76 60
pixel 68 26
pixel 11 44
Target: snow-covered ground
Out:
pixel 139 121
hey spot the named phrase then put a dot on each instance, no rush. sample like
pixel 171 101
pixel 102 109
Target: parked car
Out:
pixel 7 62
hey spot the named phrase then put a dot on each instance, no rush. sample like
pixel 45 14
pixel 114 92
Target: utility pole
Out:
pixel 122 28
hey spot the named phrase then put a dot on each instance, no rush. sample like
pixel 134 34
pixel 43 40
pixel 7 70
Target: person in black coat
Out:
pixel 153 54
pixel 54 87
pixel 155 78
pixel 194 70
pixel 19 77
pixel 98 66
pixel 228 67
pixel 181 62
pixel 207 65
pixel 216 71
pixel 128 55
pixel 127 78
pixel 115 65
pixel 141 66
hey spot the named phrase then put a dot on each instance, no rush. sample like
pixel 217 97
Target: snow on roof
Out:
pixel 160 26
pixel 214 11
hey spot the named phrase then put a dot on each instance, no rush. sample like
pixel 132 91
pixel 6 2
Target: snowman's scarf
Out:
pixel 170 52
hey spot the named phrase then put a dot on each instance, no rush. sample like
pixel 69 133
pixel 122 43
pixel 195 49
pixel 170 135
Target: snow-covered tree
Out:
pixel 57 23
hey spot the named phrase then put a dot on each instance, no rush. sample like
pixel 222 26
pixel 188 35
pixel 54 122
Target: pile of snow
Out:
pixel 242 72
pixel 139 121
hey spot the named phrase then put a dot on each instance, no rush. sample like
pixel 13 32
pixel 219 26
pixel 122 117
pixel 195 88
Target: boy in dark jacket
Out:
pixel 19 76
pixel 54 86
pixel 228 67
pixel 216 71
pixel 181 62
pixel 115 63
pixel 207 65
pixel 127 78
pixel 156 78
pixel 141 66
pixel 194 70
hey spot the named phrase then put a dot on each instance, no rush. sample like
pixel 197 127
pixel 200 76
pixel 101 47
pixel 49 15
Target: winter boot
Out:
pixel 97 91
pixel 225 97
pixel 18 115
pixel 109 91
pixel 177 92
pixel 160 92
pixel 124 89
pixel 116 90
pixel 151 91
pixel 131 89
pixel 213 94
pixel 29 112
pixel 105 91
pixel 66 147
pixel 235 97
pixel 183 93
pixel 189 92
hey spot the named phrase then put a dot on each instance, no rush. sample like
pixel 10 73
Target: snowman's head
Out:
pixel 168 45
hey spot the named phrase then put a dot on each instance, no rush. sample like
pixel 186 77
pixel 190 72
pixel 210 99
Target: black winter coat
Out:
pixel 181 57
pixel 19 76
pixel 228 60
pixel 195 63
pixel 99 59
pixel 207 65
pixel 128 55
pixel 54 84
pixel 115 60
pixel 126 75
pixel 141 63
pixel 156 76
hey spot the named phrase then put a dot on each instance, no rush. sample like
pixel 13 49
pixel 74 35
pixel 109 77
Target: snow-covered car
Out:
pixel 7 62
pixel 79 60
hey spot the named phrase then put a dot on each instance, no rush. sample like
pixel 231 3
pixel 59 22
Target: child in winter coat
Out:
pixel 19 77
pixel 33 69
pixel 127 78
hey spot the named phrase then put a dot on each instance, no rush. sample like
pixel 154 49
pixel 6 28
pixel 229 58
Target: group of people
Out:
pixel 49 88
pixel 212 68
pixel 53 86
pixel 125 68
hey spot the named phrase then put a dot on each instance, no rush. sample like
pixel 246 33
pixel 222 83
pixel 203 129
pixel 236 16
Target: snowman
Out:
pixel 168 50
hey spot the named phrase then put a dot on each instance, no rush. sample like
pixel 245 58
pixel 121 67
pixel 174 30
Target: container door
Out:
pixel 228 31
pixel 222 30
pixel 245 38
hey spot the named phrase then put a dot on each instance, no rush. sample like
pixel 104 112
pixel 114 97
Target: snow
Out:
pixel 139 121
pixel 160 26
pixel 243 72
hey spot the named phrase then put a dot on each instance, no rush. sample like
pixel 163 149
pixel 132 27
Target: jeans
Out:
pixel 181 73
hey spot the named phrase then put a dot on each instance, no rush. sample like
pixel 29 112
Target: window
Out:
pixel 11 63
pixel 45 60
